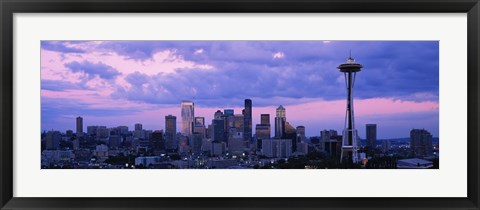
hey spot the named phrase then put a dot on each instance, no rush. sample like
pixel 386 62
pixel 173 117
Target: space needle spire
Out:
pixel 349 137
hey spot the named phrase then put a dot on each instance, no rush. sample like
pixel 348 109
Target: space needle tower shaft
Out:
pixel 349 137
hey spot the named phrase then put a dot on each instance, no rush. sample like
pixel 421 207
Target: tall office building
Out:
pixel 265 119
pixel 262 131
pixel 229 117
pixel 218 115
pixel 326 135
pixel 291 133
pixel 421 142
pixel 170 132
pixel 199 127
pixel 236 144
pixel 247 121
pixel 138 127
pixel 157 142
pixel 79 126
pixel 199 120
pixel 218 130
pixel 301 134
pixel 188 113
pixel 196 140
pixel 229 112
pixel 239 122
pixel 280 120
pixel 280 148
pixel 122 130
pixel 52 140
pixel 371 135
pixel 102 132
pixel 92 130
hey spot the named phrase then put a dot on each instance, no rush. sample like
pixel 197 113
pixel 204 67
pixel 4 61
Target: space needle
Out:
pixel 349 138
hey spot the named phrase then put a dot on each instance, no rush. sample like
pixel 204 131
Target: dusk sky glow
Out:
pixel 115 83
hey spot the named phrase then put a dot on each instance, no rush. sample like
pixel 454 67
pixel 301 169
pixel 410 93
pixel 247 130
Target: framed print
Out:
pixel 239 105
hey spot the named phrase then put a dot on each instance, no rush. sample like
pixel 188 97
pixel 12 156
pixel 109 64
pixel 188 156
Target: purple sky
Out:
pixel 116 83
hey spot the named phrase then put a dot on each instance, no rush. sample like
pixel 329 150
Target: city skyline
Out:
pixel 123 83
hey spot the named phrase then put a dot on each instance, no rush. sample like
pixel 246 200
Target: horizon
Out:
pixel 116 83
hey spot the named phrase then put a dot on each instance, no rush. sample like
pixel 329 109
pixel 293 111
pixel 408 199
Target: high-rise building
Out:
pixel 371 135
pixel 328 134
pixel 199 121
pixel 199 126
pixel 280 120
pixel 228 112
pixel 327 137
pixel 421 143
pixel 218 130
pixel 138 127
pixel 156 142
pixel 218 115
pixel 236 144
pixel 122 130
pixel 79 126
pixel 170 132
pixel 102 132
pixel 239 122
pixel 291 133
pixel 301 134
pixel 265 119
pixel 188 114
pixel 139 133
pixel 262 131
pixel 196 143
pixel 247 121
pixel 92 130
pixel 52 140
pixel 280 148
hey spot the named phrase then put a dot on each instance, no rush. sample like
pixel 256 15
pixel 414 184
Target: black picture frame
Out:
pixel 10 7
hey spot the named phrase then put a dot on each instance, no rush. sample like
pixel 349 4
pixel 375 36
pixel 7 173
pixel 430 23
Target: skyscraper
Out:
pixel 218 115
pixel 199 127
pixel 280 120
pixel 349 141
pixel 52 140
pixel 187 117
pixel 300 134
pixel 218 130
pixel 262 131
pixel 170 132
pixel 421 142
pixel 239 122
pixel 247 121
pixel 199 120
pixel 265 119
pixel 228 112
pixel 371 135
pixel 79 126
pixel 156 142
pixel 138 127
